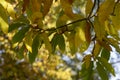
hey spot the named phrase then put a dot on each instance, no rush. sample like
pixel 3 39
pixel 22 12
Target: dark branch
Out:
pixel 113 13
pixel 92 8
pixel 54 29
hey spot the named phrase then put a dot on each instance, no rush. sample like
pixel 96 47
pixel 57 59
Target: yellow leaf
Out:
pixel 67 7
pixel 71 39
pixel 62 20
pixel 3 19
pixel 87 60
pixel 116 18
pixel 36 18
pixel 96 50
pixel 106 8
pixel 80 38
pixel 99 29
pixel 9 7
pixel 3 3
pixel 111 29
pixel 3 25
pixel 89 6
pixel 11 11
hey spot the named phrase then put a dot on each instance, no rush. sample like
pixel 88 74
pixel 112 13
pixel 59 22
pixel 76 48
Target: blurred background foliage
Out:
pixel 58 39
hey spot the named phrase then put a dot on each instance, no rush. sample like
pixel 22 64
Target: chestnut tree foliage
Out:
pixel 44 30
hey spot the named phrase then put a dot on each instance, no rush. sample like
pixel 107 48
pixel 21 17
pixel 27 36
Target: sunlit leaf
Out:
pixel 102 72
pixel 67 7
pixel 36 18
pixel 80 38
pixel 111 29
pixel 96 50
pixel 89 6
pixel 20 34
pixel 116 17
pixel 105 10
pixel 62 20
pixel 99 29
pixel 107 65
pixel 71 39
pixel 3 19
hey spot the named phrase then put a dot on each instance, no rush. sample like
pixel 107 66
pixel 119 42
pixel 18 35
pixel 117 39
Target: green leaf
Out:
pixel 105 54
pixel 61 42
pixel 114 43
pixel 102 72
pixel 35 46
pixel 107 65
pixel 28 40
pixel 46 41
pixel 14 26
pixel 86 74
pixel 58 39
pixel 21 52
pixel 20 34
pixel 54 42
pixel 22 19
pixel 3 19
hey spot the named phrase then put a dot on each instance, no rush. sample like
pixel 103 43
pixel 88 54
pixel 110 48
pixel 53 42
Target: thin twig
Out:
pixel 92 9
pixel 54 29
pixel 113 13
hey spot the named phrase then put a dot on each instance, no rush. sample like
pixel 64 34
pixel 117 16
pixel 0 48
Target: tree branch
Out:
pixel 113 13
pixel 92 8
pixel 54 29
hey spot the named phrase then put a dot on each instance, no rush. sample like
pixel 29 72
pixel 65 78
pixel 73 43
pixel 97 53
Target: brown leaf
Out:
pixel 105 45
pixel 87 32
pixel 25 4
pixel 46 7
